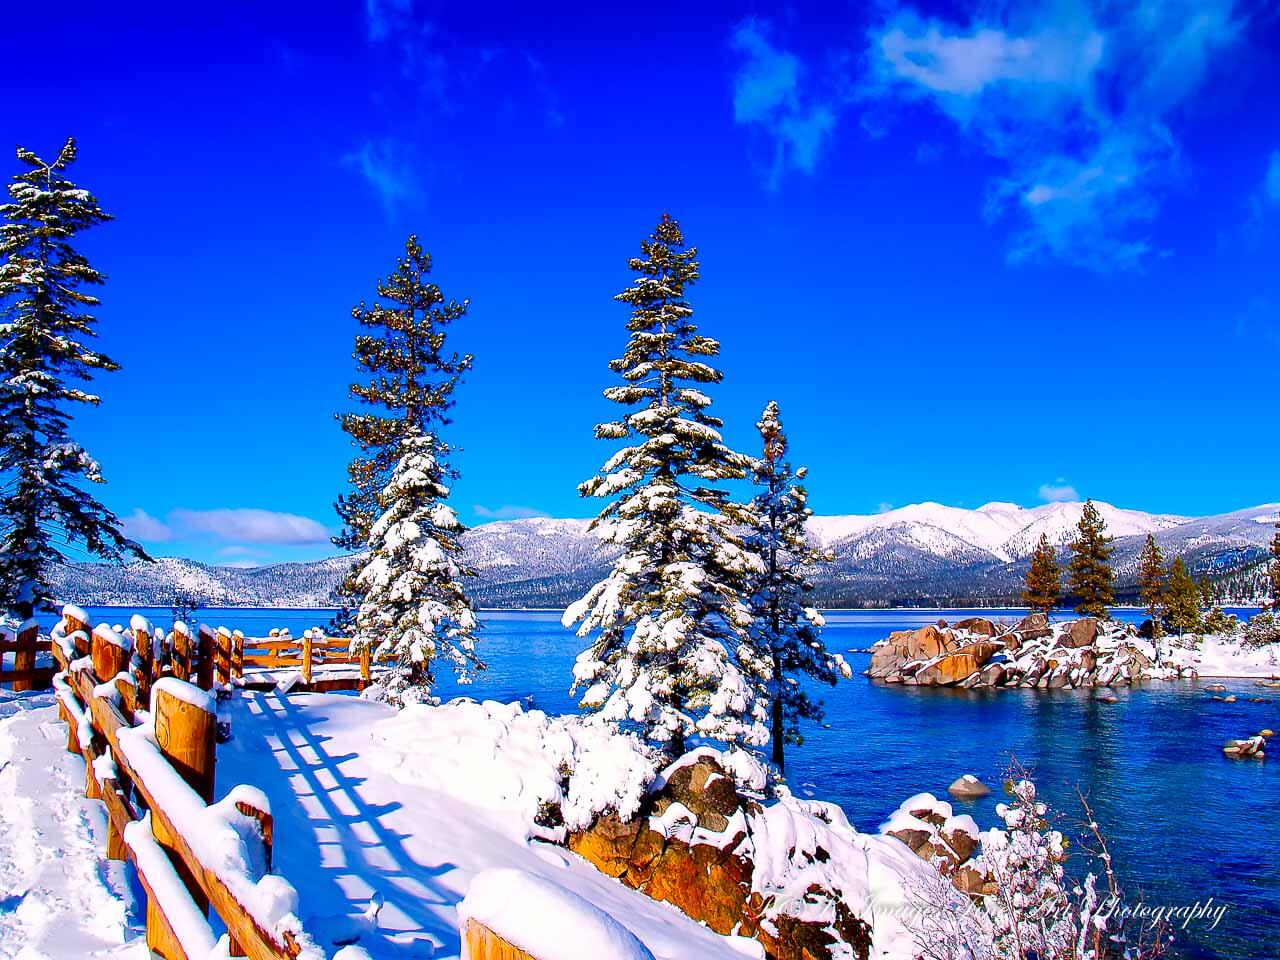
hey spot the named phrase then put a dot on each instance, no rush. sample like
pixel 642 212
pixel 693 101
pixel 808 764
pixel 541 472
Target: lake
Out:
pixel 1185 823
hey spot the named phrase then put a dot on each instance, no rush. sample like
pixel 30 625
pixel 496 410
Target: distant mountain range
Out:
pixel 924 554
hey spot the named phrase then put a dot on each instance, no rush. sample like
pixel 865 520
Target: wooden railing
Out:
pixel 154 771
pixel 23 644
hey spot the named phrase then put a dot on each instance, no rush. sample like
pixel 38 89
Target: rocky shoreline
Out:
pixel 977 652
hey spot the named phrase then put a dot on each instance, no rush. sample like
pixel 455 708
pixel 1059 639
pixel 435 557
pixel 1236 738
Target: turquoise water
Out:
pixel 1185 824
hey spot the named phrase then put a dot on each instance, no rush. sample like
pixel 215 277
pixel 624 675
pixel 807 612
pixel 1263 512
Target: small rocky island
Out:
pixel 977 652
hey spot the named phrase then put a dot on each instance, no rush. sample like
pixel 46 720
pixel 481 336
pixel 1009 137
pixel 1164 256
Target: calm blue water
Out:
pixel 1185 823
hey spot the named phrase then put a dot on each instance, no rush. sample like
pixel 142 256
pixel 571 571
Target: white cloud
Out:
pixel 884 507
pixel 140 525
pixel 767 95
pixel 244 525
pixel 1271 188
pixel 507 512
pixel 1076 97
pixel 387 167
pixel 1058 492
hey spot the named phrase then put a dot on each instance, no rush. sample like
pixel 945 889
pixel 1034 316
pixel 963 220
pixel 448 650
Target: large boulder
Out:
pixel 948 670
pixel 968 787
pixel 1081 633
pixel 978 625
pixel 1033 626
pixel 905 646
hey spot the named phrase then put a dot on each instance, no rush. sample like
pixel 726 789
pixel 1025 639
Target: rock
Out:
pixel 969 787
pixel 1033 627
pixel 948 670
pixel 904 646
pixel 1266 733
pixel 1081 633
pixel 705 789
pixel 1252 747
pixel 979 625
pixel 1106 696
pixel 993 674
pixel 1229 699
pixel 969 879
pixel 1215 687
pixel 961 838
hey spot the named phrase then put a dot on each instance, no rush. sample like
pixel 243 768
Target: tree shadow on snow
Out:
pixel 349 849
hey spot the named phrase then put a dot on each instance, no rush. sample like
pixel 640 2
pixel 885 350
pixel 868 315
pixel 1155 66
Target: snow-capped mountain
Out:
pixel 921 553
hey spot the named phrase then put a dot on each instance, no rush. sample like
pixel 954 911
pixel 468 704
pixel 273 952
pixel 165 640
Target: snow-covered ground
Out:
pixel 346 833
pixel 59 896
pixel 1219 655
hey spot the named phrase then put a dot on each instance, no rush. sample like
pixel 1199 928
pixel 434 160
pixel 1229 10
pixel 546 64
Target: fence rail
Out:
pixel 153 769
pixel 18 659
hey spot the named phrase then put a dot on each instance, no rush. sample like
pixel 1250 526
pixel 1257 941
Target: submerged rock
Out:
pixel 1252 747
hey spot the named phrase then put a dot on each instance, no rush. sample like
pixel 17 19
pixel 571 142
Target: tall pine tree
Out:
pixel 44 357
pixel 1181 606
pixel 670 654
pixel 1043 583
pixel 1275 569
pixel 414 609
pixel 407 390
pixel 786 627
pixel 1151 581
pixel 1089 575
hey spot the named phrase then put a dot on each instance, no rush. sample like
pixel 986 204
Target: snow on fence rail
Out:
pixel 153 769
pixel 19 650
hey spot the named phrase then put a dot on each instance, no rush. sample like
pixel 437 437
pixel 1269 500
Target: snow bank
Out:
pixel 189 923
pixel 521 764
pixel 545 920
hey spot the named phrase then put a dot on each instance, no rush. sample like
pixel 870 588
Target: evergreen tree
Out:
pixel 1151 581
pixel 785 626
pixel 409 380
pixel 415 609
pixel 1043 583
pixel 44 357
pixel 1275 569
pixel 1182 600
pixel 671 654
pixel 1090 577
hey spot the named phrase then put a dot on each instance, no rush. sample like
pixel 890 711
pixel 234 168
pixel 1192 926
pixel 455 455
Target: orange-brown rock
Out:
pixel 979 625
pixel 948 670
pixel 711 883
pixel 1081 633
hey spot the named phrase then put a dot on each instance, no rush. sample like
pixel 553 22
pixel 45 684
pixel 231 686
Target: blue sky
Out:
pixel 977 251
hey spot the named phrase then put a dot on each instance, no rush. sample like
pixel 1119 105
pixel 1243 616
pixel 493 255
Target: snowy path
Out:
pixel 59 896
pixel 344 831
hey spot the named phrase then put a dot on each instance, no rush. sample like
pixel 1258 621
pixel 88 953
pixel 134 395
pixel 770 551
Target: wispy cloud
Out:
pixel 387 167
pixel 140 525
pixel 241 525
pixel 507 512
pixel 1271 186
pixel 383 17
pixel 767 95
pixel 1058 492
pixel 1075 97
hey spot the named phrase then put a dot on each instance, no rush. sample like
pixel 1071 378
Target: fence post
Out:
pixel 72 625
pixel 366 665
pixel 222 656
pixel 204 669
pixel 186 730
pixel 307 648
pixel 24 656
pixel 237 655
pixel 180 652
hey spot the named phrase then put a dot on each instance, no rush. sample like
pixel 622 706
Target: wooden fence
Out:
pixel 24 645
pixel 154 771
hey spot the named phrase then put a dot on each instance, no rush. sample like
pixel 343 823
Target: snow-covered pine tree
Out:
pixel 785 626
pixel 1091 578
pixel 414 609
pixel 670 642
pixel 44 356
pixel 1043 582
pixel 408 387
